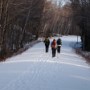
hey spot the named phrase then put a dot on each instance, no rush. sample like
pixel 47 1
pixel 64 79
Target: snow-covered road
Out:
pixel 36 70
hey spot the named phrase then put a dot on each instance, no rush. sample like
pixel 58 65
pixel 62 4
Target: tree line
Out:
pixel 81 18
pixel 19 23
pixel 22 21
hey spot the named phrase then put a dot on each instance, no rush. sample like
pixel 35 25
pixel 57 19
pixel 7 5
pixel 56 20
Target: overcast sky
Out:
pixel 63 2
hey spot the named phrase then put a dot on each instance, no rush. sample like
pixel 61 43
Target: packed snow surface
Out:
pixel 36 70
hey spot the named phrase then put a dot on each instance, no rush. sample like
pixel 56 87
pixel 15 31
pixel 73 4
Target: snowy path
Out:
pixel 36 70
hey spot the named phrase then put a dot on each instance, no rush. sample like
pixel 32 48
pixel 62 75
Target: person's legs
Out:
pixel 52 52
pixel 58 49
pixel 47 48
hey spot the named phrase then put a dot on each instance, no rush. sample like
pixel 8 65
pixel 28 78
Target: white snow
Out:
pixel 36 70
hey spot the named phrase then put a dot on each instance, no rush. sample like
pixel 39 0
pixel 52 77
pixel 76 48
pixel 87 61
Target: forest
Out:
pixel 81 18
pixel 23 21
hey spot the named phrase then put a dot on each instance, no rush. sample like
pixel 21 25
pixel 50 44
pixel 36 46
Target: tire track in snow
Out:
pixel 19 78
pixel 42 59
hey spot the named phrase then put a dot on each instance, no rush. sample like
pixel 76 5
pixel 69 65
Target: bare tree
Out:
pixel 3 23
pixel 82 14
pixel 19 21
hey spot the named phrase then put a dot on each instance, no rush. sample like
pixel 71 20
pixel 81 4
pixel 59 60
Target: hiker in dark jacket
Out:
pixel 47 43
pixel 59 43
pixel 53 46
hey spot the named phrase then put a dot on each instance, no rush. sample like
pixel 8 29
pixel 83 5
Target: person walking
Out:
pixel 47 43
pixel 53 46
pixel 59 43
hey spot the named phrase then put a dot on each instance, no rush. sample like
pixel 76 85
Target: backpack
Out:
pixel 46 41
pixel 53 44
pixel 59 42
